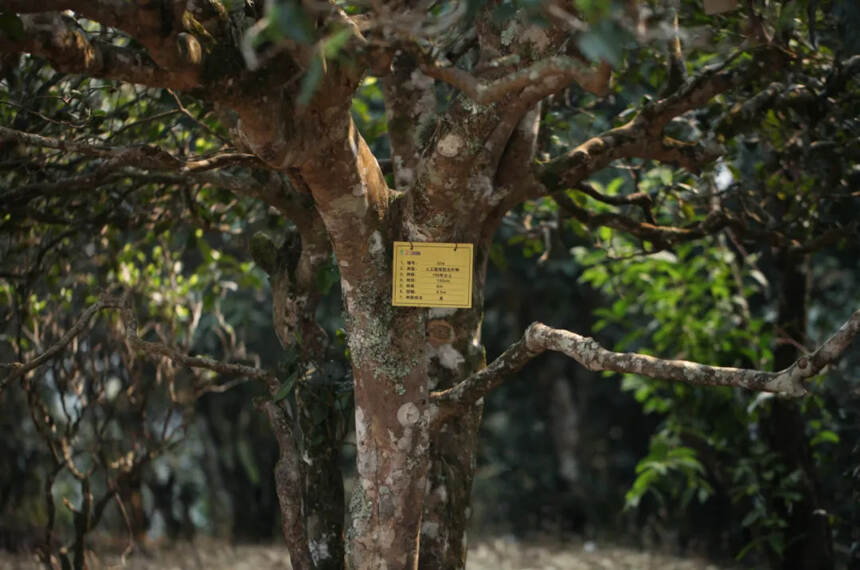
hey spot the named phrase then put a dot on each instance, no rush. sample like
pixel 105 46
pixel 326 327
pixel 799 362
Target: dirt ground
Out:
pixel 495 554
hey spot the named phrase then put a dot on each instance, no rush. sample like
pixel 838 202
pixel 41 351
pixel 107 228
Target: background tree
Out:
pixel 469 140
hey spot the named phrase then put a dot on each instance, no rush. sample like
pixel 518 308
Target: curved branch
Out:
pixel 662 236
pixel 585 350
pixel 19 369
pixel 642 137
pixel 155 350
pixel 58 39
pixel 140 156
pixel 551 74
pixel 150 349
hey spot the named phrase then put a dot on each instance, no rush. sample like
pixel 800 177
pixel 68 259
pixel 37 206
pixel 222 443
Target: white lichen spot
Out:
pixel 442 493
pixel 367 463
pixel 450 145
pixel 319 550
pixel 405 442
pixel 359 189
pixel 374 246
pixel 360 426
pixel 481 185
pixel 408 414
pixel 386 538
pixel 419 80
pixel 449 357
pixel 440 312
pixel 430 529
pixel 414 233
pixel 405 177
pixel 536 36
pixel 346 288
pixel 509 33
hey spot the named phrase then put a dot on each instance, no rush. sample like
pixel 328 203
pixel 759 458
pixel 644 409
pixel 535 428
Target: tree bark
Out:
pixel 454 345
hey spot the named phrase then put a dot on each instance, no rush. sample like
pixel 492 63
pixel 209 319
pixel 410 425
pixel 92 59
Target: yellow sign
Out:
pixel 432 274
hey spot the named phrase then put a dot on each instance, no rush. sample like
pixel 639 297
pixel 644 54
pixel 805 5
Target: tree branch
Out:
pixel 662 236
pixel 155 350
pixel 58 39
pixel 152 350
pixel 551 74
pixel 140 156
pixel 585 350
pixel 19 369
pixel 642 137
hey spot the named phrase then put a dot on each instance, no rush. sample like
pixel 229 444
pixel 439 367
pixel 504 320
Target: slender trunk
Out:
pixel 808 541
pixel 322 430
pixel 455 349
pixel 456 353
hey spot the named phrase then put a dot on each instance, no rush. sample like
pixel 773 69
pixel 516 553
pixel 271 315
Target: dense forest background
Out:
pixel 153 450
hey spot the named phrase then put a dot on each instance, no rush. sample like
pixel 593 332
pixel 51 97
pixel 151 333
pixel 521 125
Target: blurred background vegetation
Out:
pixel 160 451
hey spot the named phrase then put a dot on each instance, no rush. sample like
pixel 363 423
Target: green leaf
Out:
pixel 333 43
pixel 292 21
pixel 249 463
pixel 825 436
pixel 286 387
pixel 602 42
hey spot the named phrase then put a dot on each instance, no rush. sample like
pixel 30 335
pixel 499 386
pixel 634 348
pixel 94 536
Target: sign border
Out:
pixel 433 244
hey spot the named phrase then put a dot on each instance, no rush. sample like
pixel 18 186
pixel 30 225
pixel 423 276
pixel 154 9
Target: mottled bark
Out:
pixel 293 268
pixel 585 350
pixel 288 484
pixel 410 99
pixel 455 350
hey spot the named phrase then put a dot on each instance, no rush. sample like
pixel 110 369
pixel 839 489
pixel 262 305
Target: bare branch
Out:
pixel 156 350
pixel 140 156
pixel 641 199
pixel 153 350
pixel 551 74
pixel 19 369
pixel 585 350
pixel 662 236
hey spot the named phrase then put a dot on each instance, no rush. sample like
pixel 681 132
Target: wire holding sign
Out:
pixel 432 274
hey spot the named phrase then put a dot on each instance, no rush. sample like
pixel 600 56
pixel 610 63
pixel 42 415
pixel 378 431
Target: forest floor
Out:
pixel 490 554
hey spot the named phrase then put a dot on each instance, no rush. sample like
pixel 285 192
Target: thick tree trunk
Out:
pixel 392 435
pixel 808 541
